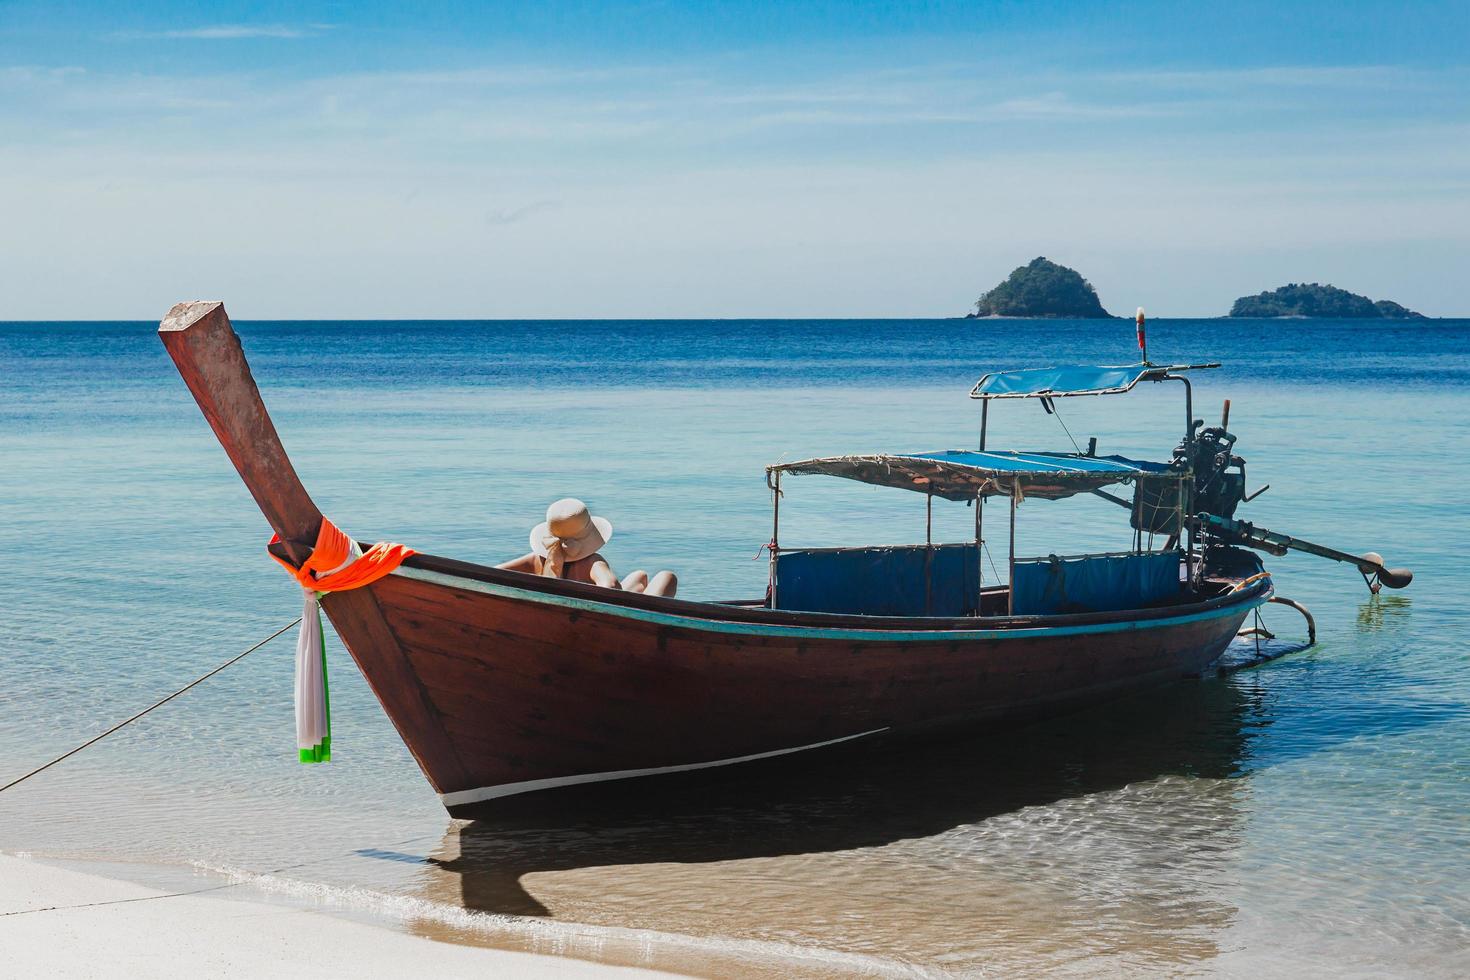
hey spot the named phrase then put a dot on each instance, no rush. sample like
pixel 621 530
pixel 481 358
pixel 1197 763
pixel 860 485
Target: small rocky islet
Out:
pixel 1044 289
pixel 1311 299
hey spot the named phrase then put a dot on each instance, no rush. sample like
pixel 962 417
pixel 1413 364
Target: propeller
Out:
pixel 1373 569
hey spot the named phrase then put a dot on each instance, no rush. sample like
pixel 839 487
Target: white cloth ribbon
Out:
pixel 312 725
pixel 313 720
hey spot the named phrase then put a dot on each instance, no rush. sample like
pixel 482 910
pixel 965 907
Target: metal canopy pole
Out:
pixel 929 517
pixel 979 556
pixel 1194 548
pixel 775 529
pixel 1188 404
pixel 928 551
pixel 980 503
pixel 1011 591
pixel 1179 508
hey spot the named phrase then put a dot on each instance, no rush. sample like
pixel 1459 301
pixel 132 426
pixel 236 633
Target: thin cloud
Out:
pixel 1058 105
pixel 39 73
pixel 506 77
pixel 228 32
pixel 512 215
pixel 684 110
pixel 1282 76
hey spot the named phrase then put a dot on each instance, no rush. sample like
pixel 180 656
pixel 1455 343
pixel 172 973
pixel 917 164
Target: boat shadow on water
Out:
pixel 840 799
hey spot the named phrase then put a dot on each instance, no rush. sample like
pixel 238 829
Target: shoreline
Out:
pixel 54 921
pixel 167 920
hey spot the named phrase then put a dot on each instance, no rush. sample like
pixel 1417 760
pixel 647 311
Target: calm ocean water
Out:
pixel 1309 816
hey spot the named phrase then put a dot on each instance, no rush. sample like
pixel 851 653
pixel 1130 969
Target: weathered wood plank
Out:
pixel 211 360
pixel 208 354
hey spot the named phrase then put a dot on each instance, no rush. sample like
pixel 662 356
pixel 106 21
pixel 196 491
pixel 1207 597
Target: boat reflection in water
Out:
pixel 1107 834
pixel 1379 611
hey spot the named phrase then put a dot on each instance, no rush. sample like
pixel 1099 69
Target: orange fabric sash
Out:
pixel 331 567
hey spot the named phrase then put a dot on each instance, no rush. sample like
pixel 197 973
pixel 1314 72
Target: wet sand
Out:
pixel 56 922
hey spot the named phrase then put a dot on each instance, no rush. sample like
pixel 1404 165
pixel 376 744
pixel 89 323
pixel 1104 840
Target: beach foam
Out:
pixel 549 937
pixel 55 922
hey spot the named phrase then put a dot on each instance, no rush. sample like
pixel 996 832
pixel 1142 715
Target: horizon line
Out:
pixel 1152 317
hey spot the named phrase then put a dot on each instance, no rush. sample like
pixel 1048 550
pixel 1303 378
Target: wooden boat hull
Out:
pixel 532 687
pixel 502 683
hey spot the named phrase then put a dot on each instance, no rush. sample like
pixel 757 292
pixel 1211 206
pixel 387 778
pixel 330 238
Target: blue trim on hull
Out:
pixel 820 632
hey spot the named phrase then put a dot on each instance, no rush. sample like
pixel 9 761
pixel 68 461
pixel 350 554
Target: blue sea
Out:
pixel 1309 816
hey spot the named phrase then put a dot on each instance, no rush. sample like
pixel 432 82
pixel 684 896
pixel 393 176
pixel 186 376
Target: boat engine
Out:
pixel 1219 474
pixel 1219 487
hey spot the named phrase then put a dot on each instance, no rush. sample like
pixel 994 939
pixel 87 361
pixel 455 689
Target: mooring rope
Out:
pixel 157 704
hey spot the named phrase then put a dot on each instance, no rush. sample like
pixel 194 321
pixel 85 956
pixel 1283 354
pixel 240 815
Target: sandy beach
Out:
pixel 55 922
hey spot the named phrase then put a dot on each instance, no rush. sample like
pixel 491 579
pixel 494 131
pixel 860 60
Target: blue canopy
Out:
pixel 1061 382
pixel 963 474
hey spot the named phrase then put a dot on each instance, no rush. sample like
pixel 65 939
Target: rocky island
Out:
pixel 1042 288
pixel 1310 299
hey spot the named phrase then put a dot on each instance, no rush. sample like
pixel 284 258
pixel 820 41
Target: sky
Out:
pixel 364 160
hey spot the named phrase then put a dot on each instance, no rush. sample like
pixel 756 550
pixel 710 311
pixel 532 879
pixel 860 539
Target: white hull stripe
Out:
pixel 815 632
pixel 531 785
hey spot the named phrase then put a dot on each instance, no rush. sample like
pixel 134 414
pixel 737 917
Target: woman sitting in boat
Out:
pixel 565 546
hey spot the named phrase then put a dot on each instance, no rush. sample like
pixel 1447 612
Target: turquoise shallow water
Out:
pixel 1309 815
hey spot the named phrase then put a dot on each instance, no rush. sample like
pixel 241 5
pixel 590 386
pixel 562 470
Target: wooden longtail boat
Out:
pixel 503 683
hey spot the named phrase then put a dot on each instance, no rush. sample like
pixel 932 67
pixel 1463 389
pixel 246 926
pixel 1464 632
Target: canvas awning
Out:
pixel 1081 379
pixel 962 474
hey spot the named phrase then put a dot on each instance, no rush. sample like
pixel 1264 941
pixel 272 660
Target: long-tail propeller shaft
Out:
pixel 1370 564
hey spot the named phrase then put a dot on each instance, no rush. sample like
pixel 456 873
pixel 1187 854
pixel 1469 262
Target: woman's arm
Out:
pixel 602 574
pixel 525 563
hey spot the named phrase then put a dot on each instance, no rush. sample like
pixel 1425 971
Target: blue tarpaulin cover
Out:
pixel 890 581
pixel 1077 379
pixel 1016 461
pixel 962 474
pixel 881 581
pixel 1094 583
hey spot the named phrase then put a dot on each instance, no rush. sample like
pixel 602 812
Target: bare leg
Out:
pixel 636 581
pixel 665 583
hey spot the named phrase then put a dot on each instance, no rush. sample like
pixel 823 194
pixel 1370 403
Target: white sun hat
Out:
pixel 569 522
